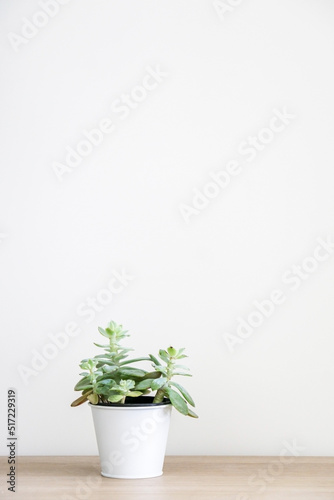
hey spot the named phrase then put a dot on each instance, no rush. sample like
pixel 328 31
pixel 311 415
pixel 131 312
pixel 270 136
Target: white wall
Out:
pixel 224 80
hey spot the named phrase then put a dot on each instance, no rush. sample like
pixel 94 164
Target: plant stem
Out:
pixel 159 397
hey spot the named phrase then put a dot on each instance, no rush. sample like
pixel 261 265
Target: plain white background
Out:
pixel 119 210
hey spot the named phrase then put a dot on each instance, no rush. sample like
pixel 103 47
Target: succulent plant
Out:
pixel 108 378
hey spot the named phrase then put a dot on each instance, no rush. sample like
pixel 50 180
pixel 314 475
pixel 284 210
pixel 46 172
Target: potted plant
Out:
pixel 131 407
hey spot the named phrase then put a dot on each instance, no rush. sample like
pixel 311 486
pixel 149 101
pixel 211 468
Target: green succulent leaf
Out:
pixel 119 358
pixel 158 383
pixel 84 383
pixel 93 398
pixel 103 332
pixel 131 372
pixel 171 351
pixel 104 362
pixel 154 359
pixel 184 393
pixel 161 369
pixel 163 355
pixel 103 390
pixel 106 381
pixel 108 375
pixel 145 384
pixel 109 369
pixel 177 401
pixel 180 351
pixel 134 361
pixel 134 394
pixel 115 398
pixel 152 375
pixel 125 385
pixel 191 413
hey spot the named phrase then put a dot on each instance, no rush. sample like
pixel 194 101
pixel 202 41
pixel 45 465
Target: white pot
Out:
pixel 132 438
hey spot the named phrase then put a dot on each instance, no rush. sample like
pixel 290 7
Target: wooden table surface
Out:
pixel 185 477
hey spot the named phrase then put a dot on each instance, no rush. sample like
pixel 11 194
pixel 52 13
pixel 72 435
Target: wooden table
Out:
pixel 185 477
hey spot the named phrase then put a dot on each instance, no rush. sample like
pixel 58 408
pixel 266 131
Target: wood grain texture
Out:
pixel 185 477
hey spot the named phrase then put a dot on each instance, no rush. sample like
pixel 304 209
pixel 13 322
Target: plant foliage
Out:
pixel 111 377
